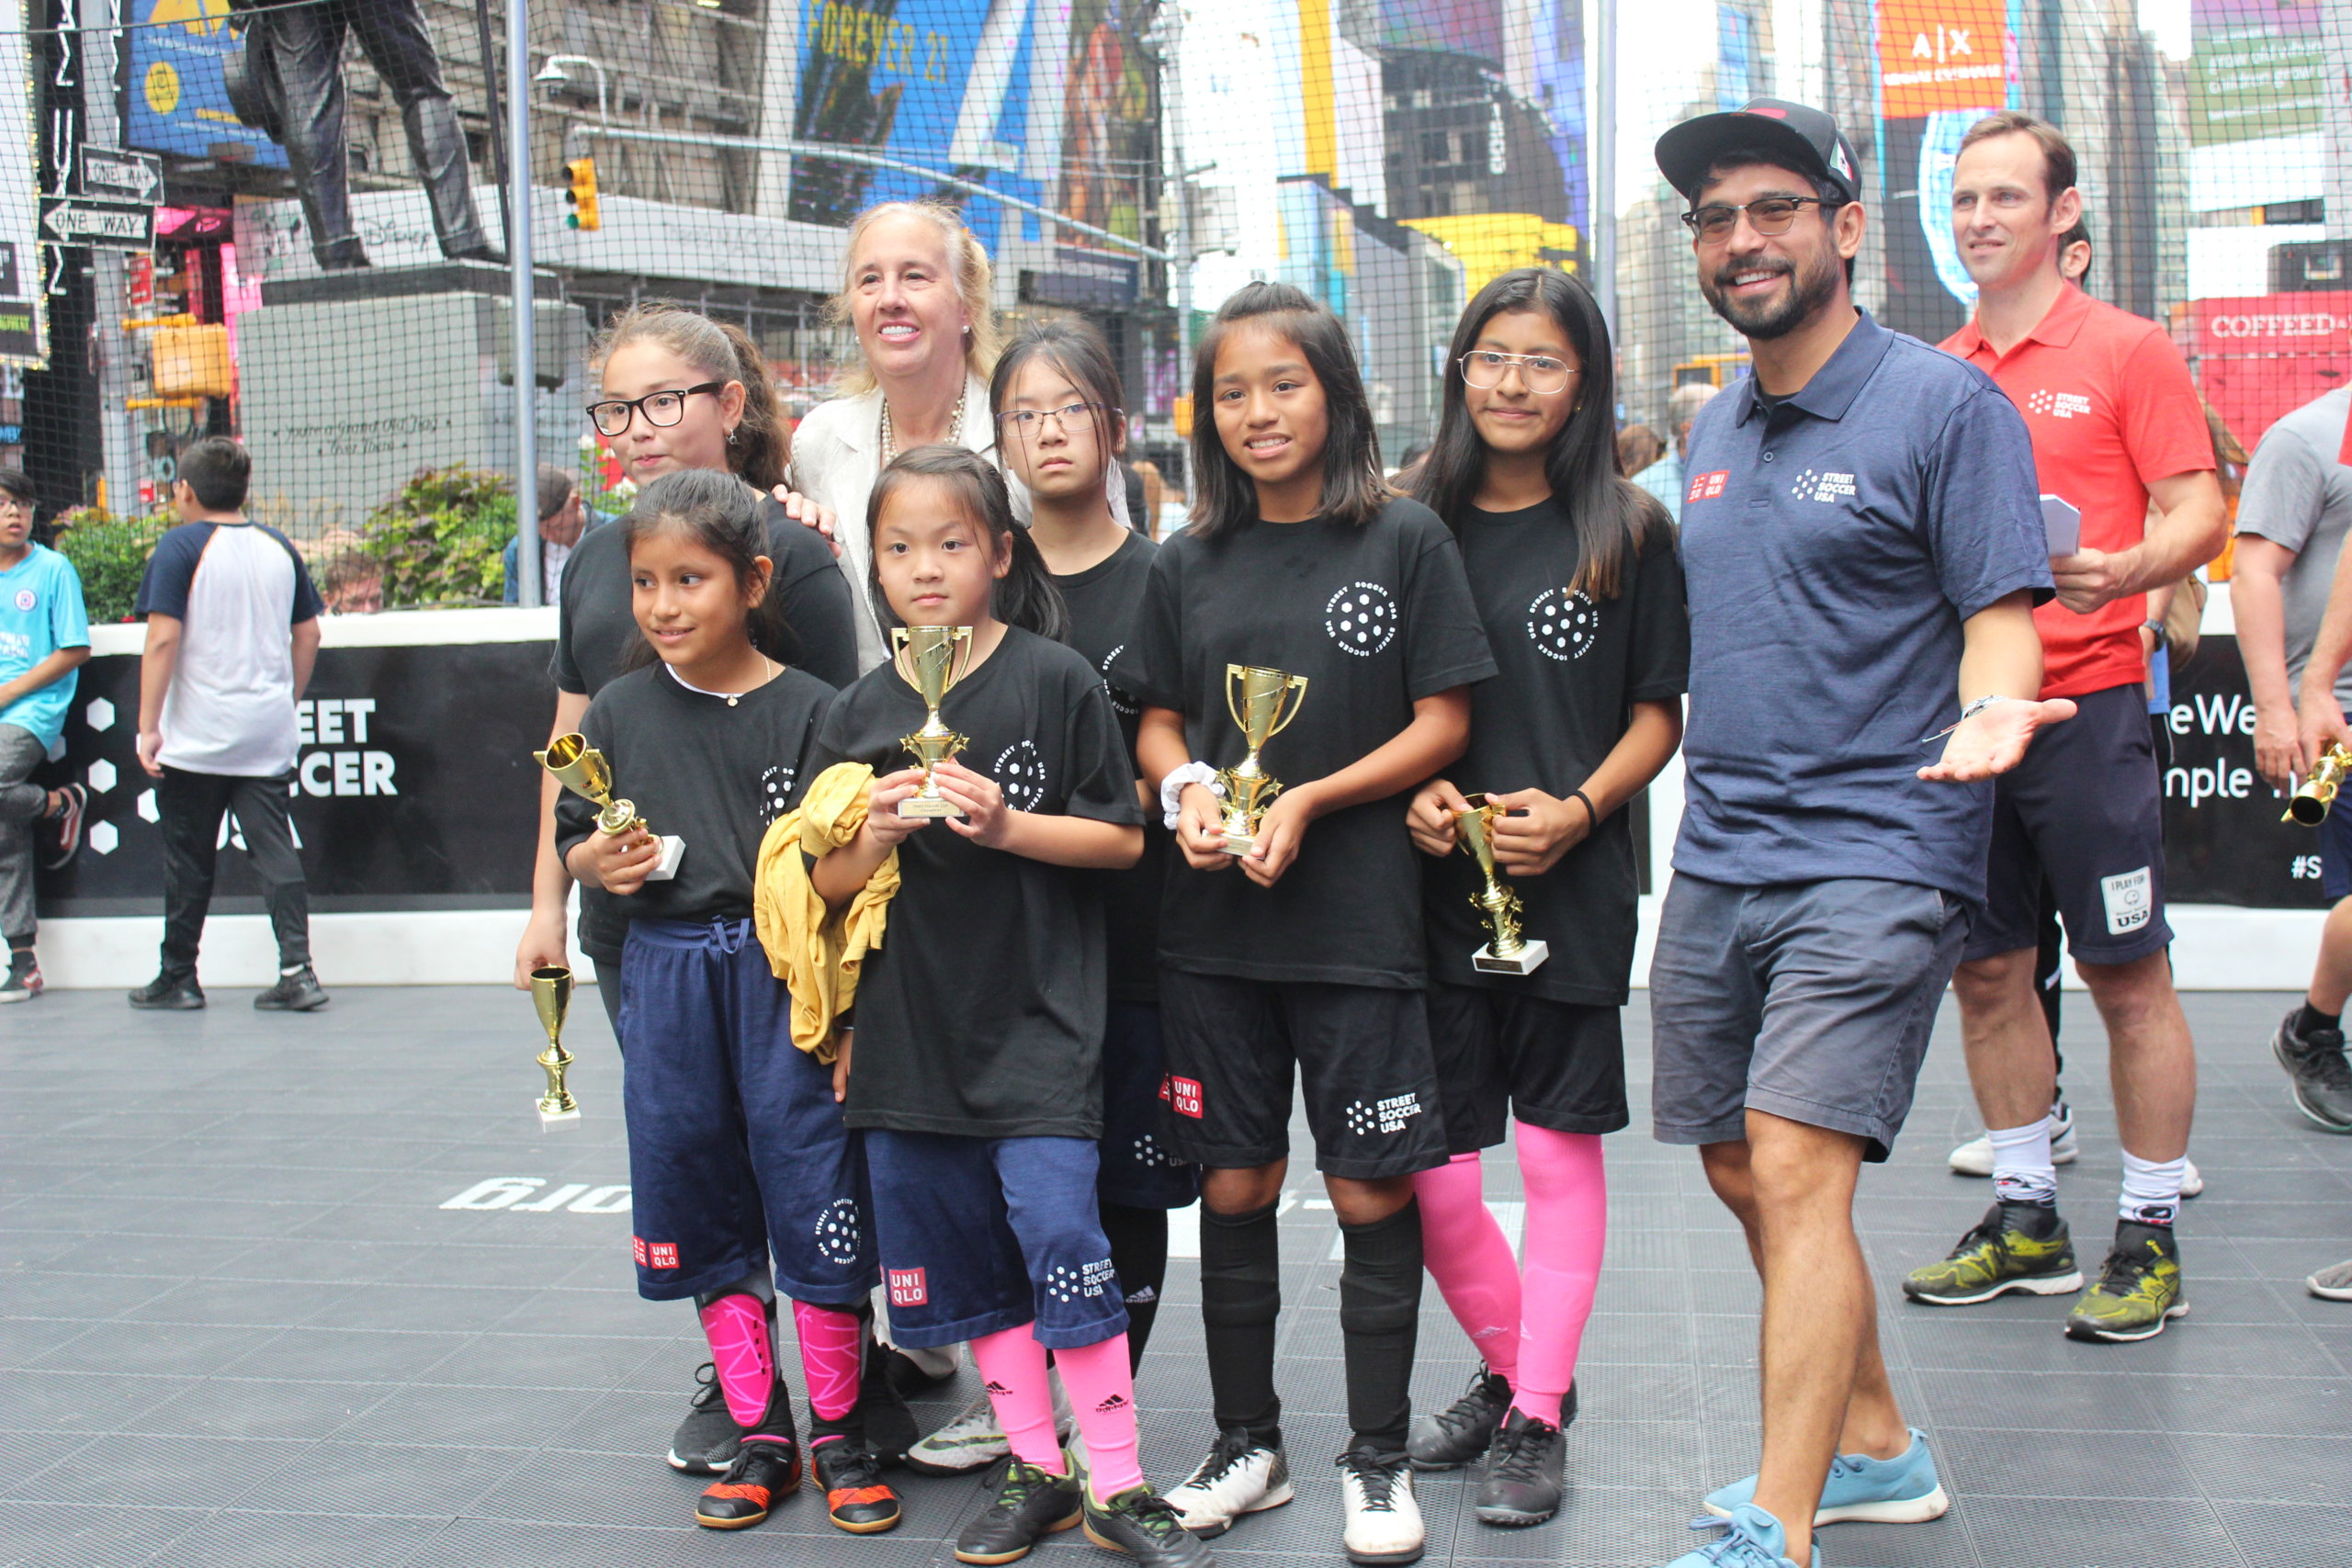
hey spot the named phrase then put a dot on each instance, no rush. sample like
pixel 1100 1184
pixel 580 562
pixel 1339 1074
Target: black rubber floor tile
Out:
pixel 253 1539
pixel 109 1536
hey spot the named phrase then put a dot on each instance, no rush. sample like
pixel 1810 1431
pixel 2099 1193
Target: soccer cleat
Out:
pixel 1755 1539
pixel 1147 1529
pixel 2139 1287
pixel 298 992
pixel 2015 1246
pixel 1451 1438
pixel 764 1474
pixel 1383 1521
pixel 1526 1471
pixel 1860 1490
pixel 2332 1283
pixel 856 1497
pixel 973 1441
pixel 23 982
pixel 1239 1477
pixel 2320 1078
pixel 169 992
pixel 61 835
pixel 1028 1505
pixel 1974 1158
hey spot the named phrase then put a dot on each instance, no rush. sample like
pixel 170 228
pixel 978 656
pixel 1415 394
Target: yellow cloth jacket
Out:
pixel 815 955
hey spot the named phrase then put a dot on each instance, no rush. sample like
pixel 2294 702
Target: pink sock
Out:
pixel 1567 1228
pixel 830 1344
pixel 1466 1255
pixel 1012 1365
pixel 737 1327
pixel 1102 1394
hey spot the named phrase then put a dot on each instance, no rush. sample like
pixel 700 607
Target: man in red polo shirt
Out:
pixel 2116 424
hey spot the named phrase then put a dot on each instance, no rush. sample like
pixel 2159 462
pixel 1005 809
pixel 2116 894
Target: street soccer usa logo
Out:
pixel 1828 488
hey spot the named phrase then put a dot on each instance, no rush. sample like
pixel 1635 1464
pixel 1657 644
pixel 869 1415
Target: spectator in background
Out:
pixel 564 515
pixel 1402 476
pixel 1663 478
pixel 1638 450
pixel 351 583
pixel 1155 492
pixel 232 631
pixel 44 642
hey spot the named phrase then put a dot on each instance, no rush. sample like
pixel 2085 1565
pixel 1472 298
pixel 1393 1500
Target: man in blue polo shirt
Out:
pixel 1862 545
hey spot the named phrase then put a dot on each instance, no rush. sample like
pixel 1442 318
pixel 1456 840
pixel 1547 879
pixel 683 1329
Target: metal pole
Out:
pixel 1604 166
pixel 1171 89
pixel 518 257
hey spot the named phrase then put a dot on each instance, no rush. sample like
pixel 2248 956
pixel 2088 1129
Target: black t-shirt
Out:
pixel 1571 668
pixel 1376 617
pixel 596 629
pixel 710 772
pixel 1106 602
pixel 982 1013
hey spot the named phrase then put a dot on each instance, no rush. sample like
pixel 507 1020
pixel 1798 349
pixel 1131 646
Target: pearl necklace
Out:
pixel 955 425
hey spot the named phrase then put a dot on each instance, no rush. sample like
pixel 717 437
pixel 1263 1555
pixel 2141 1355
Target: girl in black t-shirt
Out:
pixel 1055 398
pixel 1574 571
pixel 737 1151
pixel 1308 949
pixel 974 1066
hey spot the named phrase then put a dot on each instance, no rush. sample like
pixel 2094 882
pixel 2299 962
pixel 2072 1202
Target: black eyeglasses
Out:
pixel 1031 421
pixel 662 408
pixel 1767 215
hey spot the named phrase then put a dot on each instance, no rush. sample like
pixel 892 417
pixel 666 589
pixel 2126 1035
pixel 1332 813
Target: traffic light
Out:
pixel 582 196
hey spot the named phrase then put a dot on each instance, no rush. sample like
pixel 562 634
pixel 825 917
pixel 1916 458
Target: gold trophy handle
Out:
pixel 1286 707
pixel 1231 673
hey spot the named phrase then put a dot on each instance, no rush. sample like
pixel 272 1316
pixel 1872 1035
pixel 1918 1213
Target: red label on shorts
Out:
pixel 1706 487
pixel 654 1254
pixel 1184 1096
pixel 907 1287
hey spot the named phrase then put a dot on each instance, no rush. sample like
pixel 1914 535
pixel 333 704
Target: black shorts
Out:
pixel 2086 807
pixel 1137 1170
pixel 1559 1066
pixel 1362 1057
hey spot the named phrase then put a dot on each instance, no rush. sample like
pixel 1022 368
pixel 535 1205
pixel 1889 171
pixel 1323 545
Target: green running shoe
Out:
pixel 2139 1287
pixel 2015 1246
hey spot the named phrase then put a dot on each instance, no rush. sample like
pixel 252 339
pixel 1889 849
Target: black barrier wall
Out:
pixel 2223 840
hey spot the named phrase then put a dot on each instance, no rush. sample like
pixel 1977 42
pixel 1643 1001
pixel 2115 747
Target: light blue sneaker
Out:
pixel 1899 1491
pixel 1754 1540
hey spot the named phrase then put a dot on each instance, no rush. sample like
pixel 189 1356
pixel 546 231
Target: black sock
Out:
pixel 1380 1305
pixel 1139 1256
pixel 1241 1299
pixel 2311 1019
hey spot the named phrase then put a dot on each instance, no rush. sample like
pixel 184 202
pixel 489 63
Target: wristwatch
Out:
pixel 2157 629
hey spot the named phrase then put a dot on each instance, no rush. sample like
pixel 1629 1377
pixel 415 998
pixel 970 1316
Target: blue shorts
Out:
pixel 983 1235
pixel 2336 854
pixel 1138 1172
pixel 736 1149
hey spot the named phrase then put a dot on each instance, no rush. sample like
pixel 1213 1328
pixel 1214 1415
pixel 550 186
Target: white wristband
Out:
pixel 1171 790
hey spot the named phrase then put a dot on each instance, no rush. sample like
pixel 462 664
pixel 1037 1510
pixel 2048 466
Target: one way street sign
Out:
pixel 127 177
pixel 108 225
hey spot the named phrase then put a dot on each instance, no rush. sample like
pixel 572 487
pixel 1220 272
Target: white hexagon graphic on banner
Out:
pixel 102 775
pixel 103 838
pixel 101 715
pixel 147 812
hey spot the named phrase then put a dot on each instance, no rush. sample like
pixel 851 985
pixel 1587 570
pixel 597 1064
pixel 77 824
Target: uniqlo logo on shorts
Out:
pixel 653 1253
pixel 1706 487
pixel 909 1289
pixel 1182 1095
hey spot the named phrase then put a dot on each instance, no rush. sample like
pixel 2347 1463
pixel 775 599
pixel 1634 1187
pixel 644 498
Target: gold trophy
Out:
pixel 1269 701
pixel 927 658
pixel 581 769
pixel 2313 797
pixel 1509 952
pixel 551 995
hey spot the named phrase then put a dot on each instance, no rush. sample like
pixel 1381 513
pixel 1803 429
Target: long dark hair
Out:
pixel 1025 596
pixel 1072 346
pixel 729 518
pixel 1225 498
pixel 722 351
pixel 1610 514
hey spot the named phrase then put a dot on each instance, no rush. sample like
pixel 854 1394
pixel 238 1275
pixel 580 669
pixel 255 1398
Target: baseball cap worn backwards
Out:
pixel 1808 138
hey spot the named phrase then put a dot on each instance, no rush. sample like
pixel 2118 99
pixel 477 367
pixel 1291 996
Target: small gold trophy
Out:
pixel 1269 701
pixel 581 769
pixel 1509 952
pixel 927 658
pixel 2310 803
pixel 551 995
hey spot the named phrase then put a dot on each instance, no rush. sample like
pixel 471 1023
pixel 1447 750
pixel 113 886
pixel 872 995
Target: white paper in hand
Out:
pixel 2062 520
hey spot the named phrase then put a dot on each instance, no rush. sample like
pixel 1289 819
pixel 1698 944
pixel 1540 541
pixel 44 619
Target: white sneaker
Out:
pixel 1975 1156
pixel 974 1440
pixel 1239 1477
pixel 1383 1523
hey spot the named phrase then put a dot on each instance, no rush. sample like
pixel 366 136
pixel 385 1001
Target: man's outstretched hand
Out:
pixel 1994 739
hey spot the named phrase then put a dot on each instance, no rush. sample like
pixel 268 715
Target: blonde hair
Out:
pixel 975 284
pixel 722 351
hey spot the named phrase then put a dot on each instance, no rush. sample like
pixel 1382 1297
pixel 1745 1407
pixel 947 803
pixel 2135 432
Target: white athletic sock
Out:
pixel 2150 1190
pixel 2022 1169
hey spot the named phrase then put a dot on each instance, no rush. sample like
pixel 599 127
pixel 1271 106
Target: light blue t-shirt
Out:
pixel 40 612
